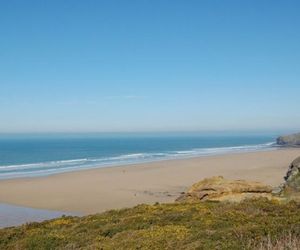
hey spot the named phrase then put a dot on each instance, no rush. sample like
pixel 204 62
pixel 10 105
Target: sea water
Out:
pixel 40 155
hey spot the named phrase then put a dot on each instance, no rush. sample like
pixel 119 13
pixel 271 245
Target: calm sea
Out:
pixel 37 155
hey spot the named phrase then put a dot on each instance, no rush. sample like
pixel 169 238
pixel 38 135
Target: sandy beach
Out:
pixel 97 190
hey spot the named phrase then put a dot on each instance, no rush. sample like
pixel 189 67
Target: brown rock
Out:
pixel 219 189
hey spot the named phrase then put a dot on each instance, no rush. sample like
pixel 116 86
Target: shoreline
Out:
pixel 137 163
pixel 122 160
pixel 99 189
pixel 141 163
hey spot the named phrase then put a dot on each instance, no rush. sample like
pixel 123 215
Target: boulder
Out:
pixel 219 189
pixel 289 140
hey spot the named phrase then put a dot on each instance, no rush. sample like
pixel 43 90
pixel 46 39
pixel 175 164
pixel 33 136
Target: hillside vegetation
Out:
pixel 251 224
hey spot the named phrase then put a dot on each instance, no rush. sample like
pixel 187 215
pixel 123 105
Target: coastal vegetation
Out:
pixel 251 224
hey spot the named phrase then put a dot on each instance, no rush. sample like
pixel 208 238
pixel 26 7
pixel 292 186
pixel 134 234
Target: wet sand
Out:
pixel 15 215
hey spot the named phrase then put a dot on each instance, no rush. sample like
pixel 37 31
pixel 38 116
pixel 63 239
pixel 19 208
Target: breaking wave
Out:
pixel 54 167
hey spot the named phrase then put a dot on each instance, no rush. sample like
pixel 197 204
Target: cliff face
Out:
pixel 291 187
pixel 289 140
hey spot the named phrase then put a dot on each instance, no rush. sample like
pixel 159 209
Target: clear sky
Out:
pixel 156 65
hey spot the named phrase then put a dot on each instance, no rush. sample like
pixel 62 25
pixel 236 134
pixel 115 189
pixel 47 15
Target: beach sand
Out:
pixel 97 190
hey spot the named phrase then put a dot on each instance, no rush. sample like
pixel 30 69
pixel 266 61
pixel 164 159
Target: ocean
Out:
pixel 40 155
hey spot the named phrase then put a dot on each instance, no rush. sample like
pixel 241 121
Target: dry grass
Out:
pixel 286 242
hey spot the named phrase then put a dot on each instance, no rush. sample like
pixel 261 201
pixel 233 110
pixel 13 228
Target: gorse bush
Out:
pixel 252 224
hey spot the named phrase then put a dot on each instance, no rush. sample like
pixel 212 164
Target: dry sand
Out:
pixel 97 190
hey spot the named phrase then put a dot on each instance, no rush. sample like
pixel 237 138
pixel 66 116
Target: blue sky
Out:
pixel 96 66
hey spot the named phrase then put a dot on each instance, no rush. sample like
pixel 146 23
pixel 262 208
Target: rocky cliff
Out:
pixel 290 189
pixel 289 140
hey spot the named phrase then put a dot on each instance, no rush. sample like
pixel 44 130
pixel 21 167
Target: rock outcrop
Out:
pixel 219 189
pixel 292 177
pixel 290 189
pixel 289 140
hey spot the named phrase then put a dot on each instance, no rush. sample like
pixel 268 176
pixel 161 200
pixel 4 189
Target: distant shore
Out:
pixel 97 190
